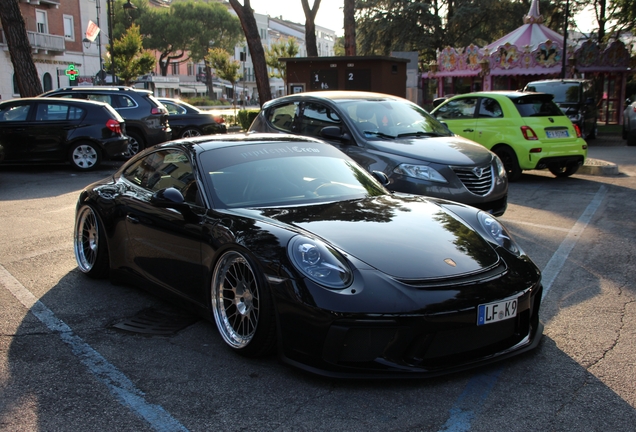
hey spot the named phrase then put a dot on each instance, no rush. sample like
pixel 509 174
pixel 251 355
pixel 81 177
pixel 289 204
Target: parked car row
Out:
pixel 85 125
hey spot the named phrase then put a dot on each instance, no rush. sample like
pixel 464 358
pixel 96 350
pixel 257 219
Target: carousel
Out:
pixel 531 52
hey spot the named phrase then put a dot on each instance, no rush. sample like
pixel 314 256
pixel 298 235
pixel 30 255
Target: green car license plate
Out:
pixel 494 312
pixel 557 133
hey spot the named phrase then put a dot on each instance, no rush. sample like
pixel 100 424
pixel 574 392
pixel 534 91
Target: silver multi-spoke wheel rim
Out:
pixel 190 133
pixel 86 239
pixel 235 299
pixel 133 147
pixel 85 156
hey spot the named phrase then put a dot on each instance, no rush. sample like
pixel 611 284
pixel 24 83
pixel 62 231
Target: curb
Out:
pixel 598 167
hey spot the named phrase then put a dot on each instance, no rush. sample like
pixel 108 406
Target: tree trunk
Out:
pixel 349 28
pixel 26 74
pixel 310 27
pixel 248 22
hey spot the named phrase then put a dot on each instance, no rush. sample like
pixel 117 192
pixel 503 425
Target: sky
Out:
pixel 330 13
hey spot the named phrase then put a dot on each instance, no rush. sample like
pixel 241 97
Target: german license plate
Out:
pixel 494 312
pixel 557 133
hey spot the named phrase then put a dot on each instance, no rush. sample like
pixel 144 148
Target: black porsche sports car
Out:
pixel 287 244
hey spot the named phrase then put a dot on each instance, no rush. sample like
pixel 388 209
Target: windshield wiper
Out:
pixel 420 133
pixel 379 134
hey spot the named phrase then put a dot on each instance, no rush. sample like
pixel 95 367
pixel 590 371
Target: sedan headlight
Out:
pixel 501 171
pixel 423 172
pixel 319 262
pixel 498 233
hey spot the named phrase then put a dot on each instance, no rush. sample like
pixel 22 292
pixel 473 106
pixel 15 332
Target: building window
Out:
pixel 175 68
pixel 68 27
pixel 190 69
pixel 47 82
pixel 40 19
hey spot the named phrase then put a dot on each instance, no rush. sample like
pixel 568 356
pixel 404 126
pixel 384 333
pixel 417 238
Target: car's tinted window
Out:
pixel 14 113
pixel 490 108
pixel 388 119
pixel 58 112
pixel 537 107
pixel 286 173
pixel 282 116
pixel 457 109
pixel 562 91
pixel 315 117
pixel 174 109
pixel 163 169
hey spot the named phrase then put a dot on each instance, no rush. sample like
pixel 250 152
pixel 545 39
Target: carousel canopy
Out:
pixel 532 49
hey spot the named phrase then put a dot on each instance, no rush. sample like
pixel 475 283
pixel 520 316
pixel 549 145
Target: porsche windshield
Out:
pixel 278 174
pixel 391 119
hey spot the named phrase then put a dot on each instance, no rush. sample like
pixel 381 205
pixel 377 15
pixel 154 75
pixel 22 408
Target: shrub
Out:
pixel 246 117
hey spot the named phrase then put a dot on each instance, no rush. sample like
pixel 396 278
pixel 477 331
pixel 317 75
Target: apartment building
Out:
pixel 63 56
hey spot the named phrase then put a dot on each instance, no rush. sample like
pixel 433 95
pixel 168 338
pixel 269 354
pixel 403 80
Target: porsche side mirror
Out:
pixel 381 177
pixel 169 197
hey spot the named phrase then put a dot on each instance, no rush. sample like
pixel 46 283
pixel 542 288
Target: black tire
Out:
pixel 631 138
pixel 135 144
pixel 511 163
pixel 190 132
pixel 85 156
pixel 564 171
pixel 91 249
pixel 242 306
pixel 594 132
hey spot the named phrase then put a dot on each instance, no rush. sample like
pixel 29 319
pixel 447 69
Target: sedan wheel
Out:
pixel 91 252
pixel 241 306
pixel 190 132
pixel 85 156
pixel 135 145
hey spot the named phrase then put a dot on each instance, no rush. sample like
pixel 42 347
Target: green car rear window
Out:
pixel 537 107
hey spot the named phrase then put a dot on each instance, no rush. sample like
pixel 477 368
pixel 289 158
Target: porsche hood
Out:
pixel 407 238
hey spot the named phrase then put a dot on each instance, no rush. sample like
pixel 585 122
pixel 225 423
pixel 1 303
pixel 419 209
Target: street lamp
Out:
pixel 111 17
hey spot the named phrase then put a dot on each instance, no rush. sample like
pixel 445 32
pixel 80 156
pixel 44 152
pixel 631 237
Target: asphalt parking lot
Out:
pixel 66 366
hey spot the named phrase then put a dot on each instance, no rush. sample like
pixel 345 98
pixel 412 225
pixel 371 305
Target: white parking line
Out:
pixel 470 401
pixel 119 385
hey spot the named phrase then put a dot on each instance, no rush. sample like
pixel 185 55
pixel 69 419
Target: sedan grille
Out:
pixel 477 180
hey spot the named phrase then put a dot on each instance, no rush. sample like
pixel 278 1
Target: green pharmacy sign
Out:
pixel 71 72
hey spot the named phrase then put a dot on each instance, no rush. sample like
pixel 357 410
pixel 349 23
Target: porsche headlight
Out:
pixel 498 233
pixel 423 172
pixel 319 262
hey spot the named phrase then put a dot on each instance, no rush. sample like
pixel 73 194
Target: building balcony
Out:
pixel 45 43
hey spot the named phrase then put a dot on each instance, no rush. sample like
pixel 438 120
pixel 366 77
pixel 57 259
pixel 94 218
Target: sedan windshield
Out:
pixel 391 119
pixel 275 174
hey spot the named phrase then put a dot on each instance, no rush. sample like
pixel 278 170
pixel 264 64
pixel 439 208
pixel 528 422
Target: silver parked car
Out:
pixel 392 135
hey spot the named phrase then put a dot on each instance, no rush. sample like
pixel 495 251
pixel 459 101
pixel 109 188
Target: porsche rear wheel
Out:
pixel 91 250
pixel 242 306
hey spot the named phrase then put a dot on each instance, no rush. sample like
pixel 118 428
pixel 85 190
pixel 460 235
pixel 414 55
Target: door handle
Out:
pixel 469 130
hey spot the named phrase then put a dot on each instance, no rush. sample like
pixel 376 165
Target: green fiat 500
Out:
pixel 526 130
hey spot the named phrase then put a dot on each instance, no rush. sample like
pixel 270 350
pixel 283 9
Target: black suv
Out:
pixel 576 98
pixel 146 118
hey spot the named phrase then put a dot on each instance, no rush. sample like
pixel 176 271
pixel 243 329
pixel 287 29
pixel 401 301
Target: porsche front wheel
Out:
pixel 242 306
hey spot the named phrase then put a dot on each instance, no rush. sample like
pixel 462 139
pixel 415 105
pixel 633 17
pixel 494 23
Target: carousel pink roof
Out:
pixel 532 49
pixel 531 33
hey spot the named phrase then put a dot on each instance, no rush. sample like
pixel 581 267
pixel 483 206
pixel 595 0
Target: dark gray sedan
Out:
pixel 386 133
